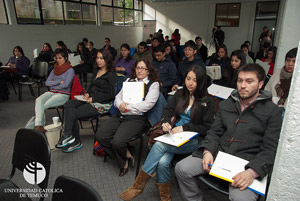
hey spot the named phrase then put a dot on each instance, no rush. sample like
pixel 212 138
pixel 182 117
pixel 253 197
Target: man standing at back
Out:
pixel 248 126
pixel 191 58
pixel 166 69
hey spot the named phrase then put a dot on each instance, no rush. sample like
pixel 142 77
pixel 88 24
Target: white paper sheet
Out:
pixel 75 60
pixel 173 92
pixel 133 92
pixel 214 72
pixel 227 166
pixel 265 65
pixel 177 139
pixel 219 91
pixel 80 98
pixel 35 53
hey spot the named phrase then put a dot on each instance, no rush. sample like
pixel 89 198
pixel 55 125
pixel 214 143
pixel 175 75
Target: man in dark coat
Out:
pixel 110 48
pixel 166 68
pixel 247 125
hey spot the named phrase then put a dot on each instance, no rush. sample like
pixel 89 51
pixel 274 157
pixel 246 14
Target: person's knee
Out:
pixel 118 144
pixel 158 145
pixel 180 169
pixel 245 195
pixel 164 163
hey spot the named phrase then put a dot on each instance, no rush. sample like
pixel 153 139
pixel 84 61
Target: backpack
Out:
pixel 76 88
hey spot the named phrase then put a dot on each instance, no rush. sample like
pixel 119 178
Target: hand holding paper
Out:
pixel 207 160
pixel 242 180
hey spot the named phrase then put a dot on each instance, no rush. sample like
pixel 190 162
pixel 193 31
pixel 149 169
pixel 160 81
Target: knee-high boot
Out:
pixel 164 191
pixel 137 187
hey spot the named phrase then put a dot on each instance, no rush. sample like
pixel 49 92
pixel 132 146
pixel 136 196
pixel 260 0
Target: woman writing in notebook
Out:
pixel 131 119
pixel 98 99
pixel 193 110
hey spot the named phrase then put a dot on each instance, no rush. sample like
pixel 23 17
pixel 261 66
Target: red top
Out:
pixel 271 64
pixel 176 38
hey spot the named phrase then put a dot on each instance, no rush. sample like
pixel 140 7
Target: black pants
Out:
pixel 74 110
pixel 4 77
pixel 115 133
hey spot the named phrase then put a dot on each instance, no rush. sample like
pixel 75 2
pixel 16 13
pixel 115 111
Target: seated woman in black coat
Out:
pixel 99 97
pixel 46 54
pixel 114 135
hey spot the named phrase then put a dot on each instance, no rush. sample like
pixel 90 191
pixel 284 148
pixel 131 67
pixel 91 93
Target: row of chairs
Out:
pixel 30 147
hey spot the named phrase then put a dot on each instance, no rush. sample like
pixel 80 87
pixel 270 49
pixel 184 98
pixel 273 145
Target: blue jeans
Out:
pixel 160 156
pixel 45 101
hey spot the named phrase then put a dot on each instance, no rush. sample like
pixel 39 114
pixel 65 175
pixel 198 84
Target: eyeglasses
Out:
pixel 141 68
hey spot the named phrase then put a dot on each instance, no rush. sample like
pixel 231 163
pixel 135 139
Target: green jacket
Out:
pixel 252 134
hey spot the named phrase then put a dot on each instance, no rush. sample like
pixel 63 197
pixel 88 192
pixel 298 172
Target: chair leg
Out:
pixel 13 86
pixel 58 113
pixel 20 92
pixel 140 155
pixel 80 124
pixel 31 90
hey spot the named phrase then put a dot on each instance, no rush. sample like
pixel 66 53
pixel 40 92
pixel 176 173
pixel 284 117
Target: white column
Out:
pixel 285 182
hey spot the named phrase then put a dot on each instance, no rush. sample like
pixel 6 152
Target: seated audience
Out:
pixel 99 97
pixel 233 132
pixel 61 45
pixel 271 56
pixel 191 58
pixel 112 50
pixel 176 37
pixel 125 62
pixel 166 69
pixel 174 49
pixel 142 52
pixel 201 48
pixel 19 66
pixel 155 42
pixel 193 109
pixel 46 54
pixel 280 82
pixel 263 53
pixel 131 119
pixel 244 48
pixel 60 82
pixel 85 42
pixel 220 59
pixel 171 54
pixel 166 39
pixel 92 50
pixel 149 40
pixel 250 53
pixel 86 63
pixel 229 77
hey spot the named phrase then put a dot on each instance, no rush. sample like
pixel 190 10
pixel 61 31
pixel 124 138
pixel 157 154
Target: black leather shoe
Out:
pixel 123 171
pixel 131 161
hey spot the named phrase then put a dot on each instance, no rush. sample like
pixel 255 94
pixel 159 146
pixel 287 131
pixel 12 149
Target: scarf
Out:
pixel 60 69
pixel 283 87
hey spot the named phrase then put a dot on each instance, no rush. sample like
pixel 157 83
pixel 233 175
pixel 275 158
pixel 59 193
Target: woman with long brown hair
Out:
pixel 131 119
pixel 193 109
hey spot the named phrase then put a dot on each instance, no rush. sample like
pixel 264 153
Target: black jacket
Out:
pixel 103 89
pixel 167 73
pixel 204 117
pixel 184 65
pixel 252 134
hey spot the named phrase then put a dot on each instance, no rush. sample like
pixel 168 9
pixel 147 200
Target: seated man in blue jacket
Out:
pixel 191 58
pixel 247 125
pixel 166 68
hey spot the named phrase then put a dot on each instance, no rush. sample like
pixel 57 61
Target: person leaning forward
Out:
pixel 247 125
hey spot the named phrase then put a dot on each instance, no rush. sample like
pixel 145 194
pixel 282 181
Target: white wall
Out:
pixel 30 37
pixel 197 18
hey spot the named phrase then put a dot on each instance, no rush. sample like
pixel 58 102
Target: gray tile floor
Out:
pixel 80 164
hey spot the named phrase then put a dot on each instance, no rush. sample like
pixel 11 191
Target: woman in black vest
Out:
pixel 131 119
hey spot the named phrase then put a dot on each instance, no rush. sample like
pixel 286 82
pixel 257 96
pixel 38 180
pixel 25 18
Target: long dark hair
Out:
pixel 153 73
pixel 225 49
pixel 20 50
pixel 199 94
pixel 48 44
pixel 128 58
pixel 107 58
pixel 274 50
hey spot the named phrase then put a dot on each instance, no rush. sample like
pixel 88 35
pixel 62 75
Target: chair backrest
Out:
pixel 120 80
pixel 154 115
pixel 40 68
pixel 74 189
pixel 31 146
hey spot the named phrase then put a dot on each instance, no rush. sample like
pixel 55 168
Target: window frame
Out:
pixel 42 22
pixel 133 9
pixel 240 5
pixel 5 10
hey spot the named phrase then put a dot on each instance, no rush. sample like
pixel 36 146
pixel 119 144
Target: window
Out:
pixel 56 11
pixel 121 12
pixel 3 14
pixel 228 14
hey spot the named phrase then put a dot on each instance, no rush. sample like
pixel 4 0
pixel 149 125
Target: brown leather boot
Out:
pixel 40 128
pixel 137 187
pixel 164 191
